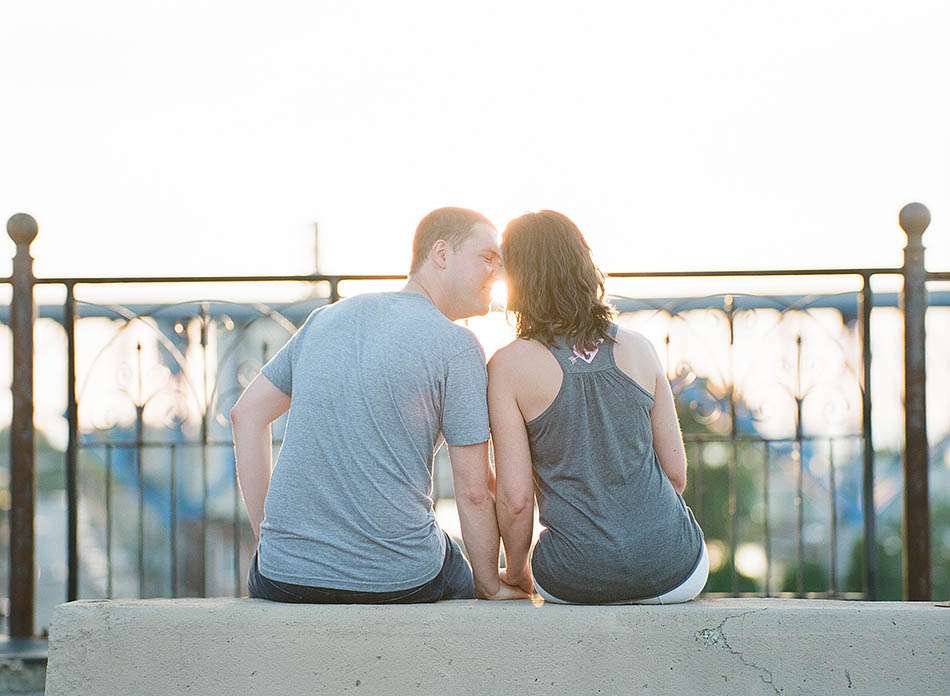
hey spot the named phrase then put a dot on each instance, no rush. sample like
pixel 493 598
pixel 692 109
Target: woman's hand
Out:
pixel 521 579
pixel 505 591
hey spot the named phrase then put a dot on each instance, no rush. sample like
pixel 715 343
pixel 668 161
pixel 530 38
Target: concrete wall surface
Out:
pixel 729 646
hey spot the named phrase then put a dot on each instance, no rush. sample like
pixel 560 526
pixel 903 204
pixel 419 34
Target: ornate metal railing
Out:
pixel 157 466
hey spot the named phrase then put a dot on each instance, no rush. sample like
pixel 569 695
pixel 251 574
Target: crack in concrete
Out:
pixel 717 635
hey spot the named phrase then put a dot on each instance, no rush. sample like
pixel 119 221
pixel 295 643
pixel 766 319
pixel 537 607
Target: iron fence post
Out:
pixel 72 450
pixel 729 306
pixel 866 302
pixel 334 289
pixel 914 218
pixel 22 230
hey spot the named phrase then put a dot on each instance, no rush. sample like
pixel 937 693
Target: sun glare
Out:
pixel 499 294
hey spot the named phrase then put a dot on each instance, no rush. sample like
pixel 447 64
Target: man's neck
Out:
pixel 430 289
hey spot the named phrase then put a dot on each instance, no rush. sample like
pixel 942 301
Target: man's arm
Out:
pixel 260 405
pixel 514 495
pixel 476 507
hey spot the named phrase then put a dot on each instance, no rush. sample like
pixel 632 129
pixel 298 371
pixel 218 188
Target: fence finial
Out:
pixel 914 219
pixel 22 228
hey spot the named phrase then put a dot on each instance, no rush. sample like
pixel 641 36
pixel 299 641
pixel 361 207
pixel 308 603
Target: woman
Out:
pixel 583 415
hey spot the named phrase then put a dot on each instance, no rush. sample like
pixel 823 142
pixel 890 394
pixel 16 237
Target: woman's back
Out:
pixel 616 528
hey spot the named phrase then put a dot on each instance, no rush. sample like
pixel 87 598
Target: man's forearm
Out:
pixel 480 534
pixel 252 456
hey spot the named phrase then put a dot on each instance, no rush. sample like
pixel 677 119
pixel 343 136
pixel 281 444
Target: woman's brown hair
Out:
pixel 554 288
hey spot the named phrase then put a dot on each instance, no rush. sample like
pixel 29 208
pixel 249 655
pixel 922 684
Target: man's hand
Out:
pixel 504 591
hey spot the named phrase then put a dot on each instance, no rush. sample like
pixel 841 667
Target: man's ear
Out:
pixel 439 253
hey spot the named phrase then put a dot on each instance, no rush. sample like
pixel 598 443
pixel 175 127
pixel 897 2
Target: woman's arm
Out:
pixel 472 477
pixel 514 488
pixel 667 438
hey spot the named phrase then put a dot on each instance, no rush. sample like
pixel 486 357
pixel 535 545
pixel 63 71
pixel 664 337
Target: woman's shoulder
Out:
pixel 516 355
pixel 512 353
pixel 632 340
pixel 636 355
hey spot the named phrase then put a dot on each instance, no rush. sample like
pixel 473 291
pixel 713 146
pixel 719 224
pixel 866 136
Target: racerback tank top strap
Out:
pixel 574 359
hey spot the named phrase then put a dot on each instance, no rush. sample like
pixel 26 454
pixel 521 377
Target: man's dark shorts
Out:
pixel 454 581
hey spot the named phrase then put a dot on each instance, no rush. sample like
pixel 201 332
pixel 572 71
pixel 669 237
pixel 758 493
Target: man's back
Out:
pixel 372 380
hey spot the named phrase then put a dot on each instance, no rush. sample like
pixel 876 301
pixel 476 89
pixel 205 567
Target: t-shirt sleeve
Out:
pixel 465 404
pixel 279 369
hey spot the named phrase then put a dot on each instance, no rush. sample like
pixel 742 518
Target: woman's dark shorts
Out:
pixel 454 581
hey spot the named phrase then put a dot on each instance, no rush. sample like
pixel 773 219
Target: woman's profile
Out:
pixel 582 416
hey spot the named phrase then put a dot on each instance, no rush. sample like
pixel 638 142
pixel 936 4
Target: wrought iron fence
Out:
pixel 151 499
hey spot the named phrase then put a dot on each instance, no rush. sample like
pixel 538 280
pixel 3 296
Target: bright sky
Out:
pixel 186 137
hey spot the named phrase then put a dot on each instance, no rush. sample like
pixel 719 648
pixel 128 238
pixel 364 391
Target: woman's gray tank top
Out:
pixel 615 528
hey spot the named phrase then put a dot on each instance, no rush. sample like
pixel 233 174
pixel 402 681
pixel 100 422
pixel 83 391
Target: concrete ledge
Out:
pixel 747 646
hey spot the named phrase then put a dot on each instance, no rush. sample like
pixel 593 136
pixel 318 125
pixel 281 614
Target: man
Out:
pixel 372 384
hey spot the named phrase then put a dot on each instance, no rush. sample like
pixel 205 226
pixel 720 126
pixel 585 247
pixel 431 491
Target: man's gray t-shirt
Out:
pixel 373 381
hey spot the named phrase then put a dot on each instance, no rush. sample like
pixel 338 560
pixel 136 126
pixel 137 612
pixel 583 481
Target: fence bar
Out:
pixel 173 518
pixel 729 307
pixel 334 289
pixel 799 479
pixel 311 278
pixel 866 303
pixel 72 450
pixel 914 219
pixel 109 521
pixel 203 523
pixel 205 319
pixel 700 447
pixel 765 520
pixel 22 230
pixel 833 494
pixel 140 475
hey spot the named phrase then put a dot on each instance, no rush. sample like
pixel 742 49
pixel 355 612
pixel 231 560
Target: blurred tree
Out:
pixel 889 573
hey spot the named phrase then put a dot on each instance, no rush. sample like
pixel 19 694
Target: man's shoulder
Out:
pixel 457 343
pixel 432 327
pixel 382 309
pixel 416 318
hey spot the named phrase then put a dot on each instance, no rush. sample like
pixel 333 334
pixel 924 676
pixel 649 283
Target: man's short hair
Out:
pixel 450 224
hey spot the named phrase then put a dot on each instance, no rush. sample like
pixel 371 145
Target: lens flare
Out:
pixel 751 560
pixel 717 554
pixel 499 294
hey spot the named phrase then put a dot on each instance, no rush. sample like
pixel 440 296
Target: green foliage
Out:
pixel 712 507
pixel 814 578
pixel 721 580
pixel 889 568
pixel 50 462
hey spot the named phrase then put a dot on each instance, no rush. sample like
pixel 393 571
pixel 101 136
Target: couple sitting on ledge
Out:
pixel 580 411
